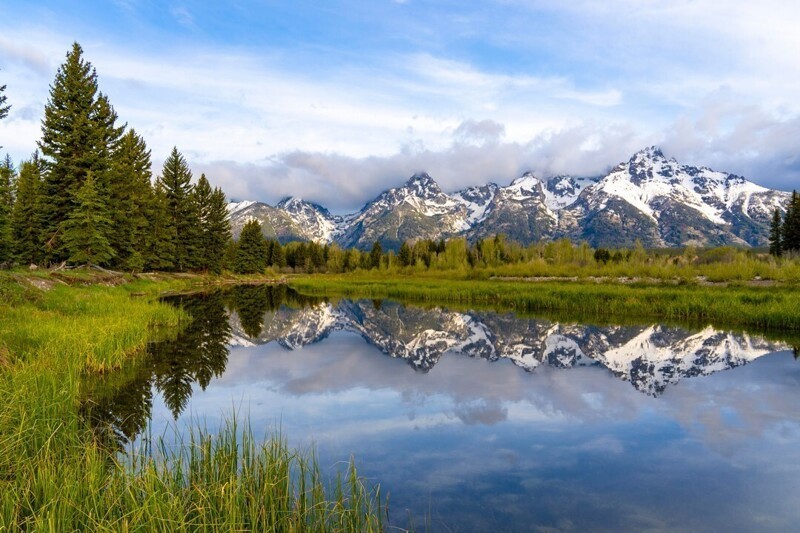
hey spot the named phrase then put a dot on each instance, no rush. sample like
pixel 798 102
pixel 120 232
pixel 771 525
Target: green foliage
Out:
pixel 791 226
pixel 251 251
pixel 404 255
pixel 775 234
pixel 7 178
pixel 4 107
pixel 759 307
pixel 131 196
pixel 87 230
pixel 26 217
pixel 214 226
pixel 160 253
pixel 181 211
pixel 601 255
pixel 76 128
pixel 375 255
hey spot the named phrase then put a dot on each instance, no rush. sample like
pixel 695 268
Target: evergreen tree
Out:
pixel 107 138
pixel 775 238
pixel 404 256
pixel 4 108
pixel 277 256
pixel 74 129
pixel 160 253
pixel 215 227
pixel 791 225
pixel 7 176
pixel 375 255
pixel 251 250
pixel 88 226
pixel 131 195
pixel 181 210
pixel 26 217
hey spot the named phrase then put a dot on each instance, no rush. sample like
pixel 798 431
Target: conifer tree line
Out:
pixel 87 195
pixel 784 234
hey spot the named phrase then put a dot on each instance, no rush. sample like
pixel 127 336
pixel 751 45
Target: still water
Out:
pixel 485 421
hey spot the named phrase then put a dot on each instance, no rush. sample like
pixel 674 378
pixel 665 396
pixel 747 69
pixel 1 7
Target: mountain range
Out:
pixel 648 198
pixel 649 357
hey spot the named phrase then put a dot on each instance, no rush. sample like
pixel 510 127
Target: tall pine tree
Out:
pixel 88 226
pixel 4 107
pixel 131 195
pixel 160 254
pixel 775 234
pixel 215 228
pixel 791 225
pixel 251 251
pixel 26 217
pixel 7 176
pixel 181 210
pixel 78 134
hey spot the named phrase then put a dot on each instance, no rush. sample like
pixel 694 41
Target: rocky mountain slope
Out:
pixel 648 198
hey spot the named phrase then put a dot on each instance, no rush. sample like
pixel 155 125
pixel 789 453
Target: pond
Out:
pixel 487 421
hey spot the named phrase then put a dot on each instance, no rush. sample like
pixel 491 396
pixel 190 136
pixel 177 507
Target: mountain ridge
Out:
pixel 649 357
pixel 649 198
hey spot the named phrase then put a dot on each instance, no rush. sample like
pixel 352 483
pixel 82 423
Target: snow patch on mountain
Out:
pixel 318 224
pixel 562 191
pixel 235 207
pixel 477 201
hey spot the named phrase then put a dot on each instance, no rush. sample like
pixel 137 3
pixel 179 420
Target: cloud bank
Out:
pixel 289 104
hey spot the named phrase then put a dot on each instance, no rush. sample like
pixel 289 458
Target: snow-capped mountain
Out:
pixel 650 357
pixel 292 219
pixel 668 204
pixel 648 198
pixel 417 210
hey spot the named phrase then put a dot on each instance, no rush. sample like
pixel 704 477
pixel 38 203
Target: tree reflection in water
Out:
pixel 118 406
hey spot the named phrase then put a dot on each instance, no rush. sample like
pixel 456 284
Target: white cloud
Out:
pixel 705 81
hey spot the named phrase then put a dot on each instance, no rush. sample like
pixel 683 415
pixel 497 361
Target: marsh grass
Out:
pixel 57 475
pixel 759 308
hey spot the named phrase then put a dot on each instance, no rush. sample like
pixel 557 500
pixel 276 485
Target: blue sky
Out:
pixel 334 101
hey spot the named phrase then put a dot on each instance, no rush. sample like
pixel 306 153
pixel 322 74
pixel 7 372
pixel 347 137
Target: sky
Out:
pixel 336 101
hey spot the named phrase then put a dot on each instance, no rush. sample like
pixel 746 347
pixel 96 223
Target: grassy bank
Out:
pixel 767 308
pixel 55 475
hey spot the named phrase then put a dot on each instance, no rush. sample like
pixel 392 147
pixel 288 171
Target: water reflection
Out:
pixel 649 357
pixel 487 421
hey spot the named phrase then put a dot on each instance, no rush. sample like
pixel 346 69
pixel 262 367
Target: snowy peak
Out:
pixel 649 197
pixel 423 185
pixel 651 358
pixel 315 221
pixel 525 187
pixel 562 191
pixel 686 204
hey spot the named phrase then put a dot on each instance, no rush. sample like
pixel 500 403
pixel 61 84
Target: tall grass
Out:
pixel 56 475
pixel 766 308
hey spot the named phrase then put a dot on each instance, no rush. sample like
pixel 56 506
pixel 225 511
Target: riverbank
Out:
pixel 58 328
pixel 775 307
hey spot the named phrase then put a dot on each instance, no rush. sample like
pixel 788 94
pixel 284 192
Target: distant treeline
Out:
pixel 87 194
pixel 253 253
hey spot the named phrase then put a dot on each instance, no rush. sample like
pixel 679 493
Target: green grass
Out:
pixel 762 308
pixel 55 474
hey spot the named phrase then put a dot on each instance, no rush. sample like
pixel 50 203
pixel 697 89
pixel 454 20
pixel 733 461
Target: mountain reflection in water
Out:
pixel 484 420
